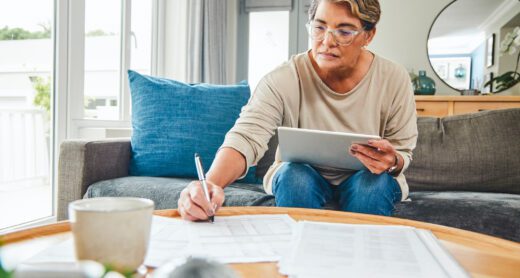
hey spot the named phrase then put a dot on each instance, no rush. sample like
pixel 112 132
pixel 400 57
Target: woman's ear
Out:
pixel 369 35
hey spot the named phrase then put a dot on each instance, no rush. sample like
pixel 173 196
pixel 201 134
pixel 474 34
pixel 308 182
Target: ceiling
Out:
pixel 463 16
pixel 457 26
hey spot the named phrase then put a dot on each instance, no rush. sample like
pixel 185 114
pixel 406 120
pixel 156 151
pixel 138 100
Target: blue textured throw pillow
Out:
pixel 172 121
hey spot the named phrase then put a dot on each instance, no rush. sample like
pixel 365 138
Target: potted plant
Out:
pixel 509 46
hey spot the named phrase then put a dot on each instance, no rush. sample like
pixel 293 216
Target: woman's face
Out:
pixel 328 54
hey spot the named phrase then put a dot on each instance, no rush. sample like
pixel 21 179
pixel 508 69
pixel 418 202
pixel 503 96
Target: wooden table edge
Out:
pixel 440 231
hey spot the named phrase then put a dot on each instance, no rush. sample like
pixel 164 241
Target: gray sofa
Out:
pixel 465 174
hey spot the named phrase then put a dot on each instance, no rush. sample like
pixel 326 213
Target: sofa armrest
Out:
pixel 82 163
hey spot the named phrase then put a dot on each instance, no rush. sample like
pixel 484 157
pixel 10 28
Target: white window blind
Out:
pixel 267 5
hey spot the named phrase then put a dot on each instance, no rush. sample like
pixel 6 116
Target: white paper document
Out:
pixel 339 250
pixel 242 239
pixel 233 239
pixel 62 252
pixel 303 249
pixel 168 240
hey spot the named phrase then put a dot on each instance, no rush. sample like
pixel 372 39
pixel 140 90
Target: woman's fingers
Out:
pixel 382 145
pixel 197 196
pixel 217 197
pixel 372 165
pixel 188 208
pixel 185 215
pixel 193 204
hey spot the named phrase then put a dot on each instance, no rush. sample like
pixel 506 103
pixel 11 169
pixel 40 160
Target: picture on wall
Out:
pixel 490 51
pixel 441 69
pixel 455 71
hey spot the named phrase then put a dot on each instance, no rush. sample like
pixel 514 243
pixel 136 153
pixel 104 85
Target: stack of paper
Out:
pixel 303 249
pixel 338 250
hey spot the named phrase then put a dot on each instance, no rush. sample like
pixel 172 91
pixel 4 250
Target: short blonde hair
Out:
pixel 368 11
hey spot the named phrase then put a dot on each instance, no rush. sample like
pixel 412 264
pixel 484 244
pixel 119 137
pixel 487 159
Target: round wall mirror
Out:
pixel 474 45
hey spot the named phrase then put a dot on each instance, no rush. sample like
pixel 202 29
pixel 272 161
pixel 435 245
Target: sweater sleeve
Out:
pixel 257 122
pixel 401 127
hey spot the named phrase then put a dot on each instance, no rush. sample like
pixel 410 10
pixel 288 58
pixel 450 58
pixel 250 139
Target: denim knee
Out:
pixel 300 185
pixel 365 192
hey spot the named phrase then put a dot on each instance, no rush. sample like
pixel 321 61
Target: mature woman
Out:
pixel 338 85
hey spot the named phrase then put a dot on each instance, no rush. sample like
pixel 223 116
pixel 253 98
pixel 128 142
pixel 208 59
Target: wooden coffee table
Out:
pixel 480 255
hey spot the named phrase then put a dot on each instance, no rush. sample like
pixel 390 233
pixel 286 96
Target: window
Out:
pixel 269 32
pixel 102 58
pixel 268 43
pixel 26 75
pixel 117 37
pixel 95 43
pixel 141 36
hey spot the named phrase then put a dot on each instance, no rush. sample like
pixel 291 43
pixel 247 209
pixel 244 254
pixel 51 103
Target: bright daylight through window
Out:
pixel 103 45
pixel 102 58
pixel 268 43
pixel 26 67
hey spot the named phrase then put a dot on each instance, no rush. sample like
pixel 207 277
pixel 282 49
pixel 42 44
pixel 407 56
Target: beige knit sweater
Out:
pixel 293 95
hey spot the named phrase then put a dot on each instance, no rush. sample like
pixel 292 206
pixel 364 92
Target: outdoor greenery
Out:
pixel 4 273
pixel 43 93
pixel 16 33
pixel 98 33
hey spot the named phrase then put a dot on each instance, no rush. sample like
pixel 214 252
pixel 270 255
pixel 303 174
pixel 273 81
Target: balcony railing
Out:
pixel 24 147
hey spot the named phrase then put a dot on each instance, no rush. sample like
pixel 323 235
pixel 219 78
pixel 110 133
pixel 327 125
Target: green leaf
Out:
pixel 126 273
pixel 4 273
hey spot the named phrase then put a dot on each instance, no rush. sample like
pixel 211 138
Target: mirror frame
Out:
pixel 437 74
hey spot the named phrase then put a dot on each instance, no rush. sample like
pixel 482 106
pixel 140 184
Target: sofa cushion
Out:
pixel 473 152
pixel 166 191
pixel 489 213
pixel 172 121
pixel 494 214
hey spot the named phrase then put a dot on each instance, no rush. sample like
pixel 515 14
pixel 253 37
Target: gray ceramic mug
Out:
pixel 112 231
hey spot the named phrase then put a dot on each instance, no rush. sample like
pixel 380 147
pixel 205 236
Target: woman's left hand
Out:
pixel 378 156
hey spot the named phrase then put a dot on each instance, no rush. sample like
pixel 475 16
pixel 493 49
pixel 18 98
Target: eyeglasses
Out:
pixel 341 36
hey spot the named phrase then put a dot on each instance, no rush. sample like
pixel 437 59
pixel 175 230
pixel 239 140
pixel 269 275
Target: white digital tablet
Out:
pixel 320 148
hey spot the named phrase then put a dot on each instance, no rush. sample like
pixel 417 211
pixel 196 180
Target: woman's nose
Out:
pixel 329 38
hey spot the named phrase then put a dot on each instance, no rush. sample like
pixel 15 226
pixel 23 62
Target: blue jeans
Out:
pixel 300 185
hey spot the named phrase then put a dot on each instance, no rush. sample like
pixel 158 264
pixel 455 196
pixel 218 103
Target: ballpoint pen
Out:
pixel 202 179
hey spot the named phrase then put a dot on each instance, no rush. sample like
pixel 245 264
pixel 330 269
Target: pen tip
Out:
pixel 196 154
pixel 212 219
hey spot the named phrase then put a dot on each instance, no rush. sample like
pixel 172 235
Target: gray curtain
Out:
pixel 207 39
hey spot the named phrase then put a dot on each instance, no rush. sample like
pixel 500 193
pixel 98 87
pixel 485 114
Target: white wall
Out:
pixel 402 35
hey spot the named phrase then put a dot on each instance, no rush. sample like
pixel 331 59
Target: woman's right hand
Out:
pixel 194 206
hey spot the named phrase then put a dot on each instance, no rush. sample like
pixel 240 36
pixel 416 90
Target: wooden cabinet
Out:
pixel 441 106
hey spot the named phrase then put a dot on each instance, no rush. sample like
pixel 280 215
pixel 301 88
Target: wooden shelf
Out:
pixel 441 106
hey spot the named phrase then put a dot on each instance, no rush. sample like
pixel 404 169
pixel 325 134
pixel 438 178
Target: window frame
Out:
pixel 67 89
pixel 298 37
pixel 70 66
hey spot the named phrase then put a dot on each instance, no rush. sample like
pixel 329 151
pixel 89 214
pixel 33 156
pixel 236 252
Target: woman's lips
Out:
pixel 327 56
